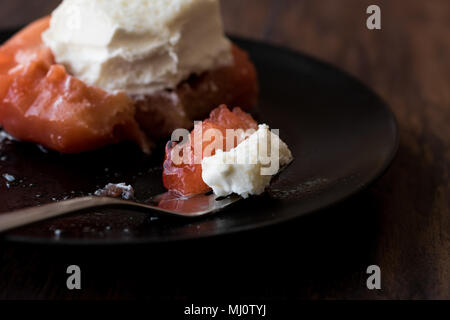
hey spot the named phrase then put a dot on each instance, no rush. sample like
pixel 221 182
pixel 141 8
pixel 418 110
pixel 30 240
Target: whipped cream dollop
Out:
pixel 139 46
pixel 249 168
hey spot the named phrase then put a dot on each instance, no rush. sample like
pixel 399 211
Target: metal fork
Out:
pixel 167 204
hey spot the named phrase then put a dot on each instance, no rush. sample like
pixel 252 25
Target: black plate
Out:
pixel 342 136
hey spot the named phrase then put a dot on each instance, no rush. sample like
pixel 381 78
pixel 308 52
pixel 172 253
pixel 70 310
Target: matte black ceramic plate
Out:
pixel 341 134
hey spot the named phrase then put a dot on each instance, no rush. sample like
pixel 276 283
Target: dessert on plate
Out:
pixel 99 72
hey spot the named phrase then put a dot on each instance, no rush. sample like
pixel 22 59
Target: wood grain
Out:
pixel 402 223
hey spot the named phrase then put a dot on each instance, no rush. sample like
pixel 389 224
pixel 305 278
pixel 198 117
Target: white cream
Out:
pixel 139 46
pixel 247 169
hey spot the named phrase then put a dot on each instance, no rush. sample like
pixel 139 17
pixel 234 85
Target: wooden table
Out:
pixel 401 223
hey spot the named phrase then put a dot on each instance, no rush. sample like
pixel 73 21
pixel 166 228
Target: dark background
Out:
pixel 401 223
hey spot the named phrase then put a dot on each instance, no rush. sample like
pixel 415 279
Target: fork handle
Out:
pixel 20 218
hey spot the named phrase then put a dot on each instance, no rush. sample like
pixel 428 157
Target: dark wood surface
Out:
pixel 401 223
